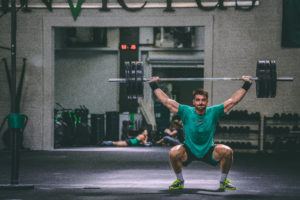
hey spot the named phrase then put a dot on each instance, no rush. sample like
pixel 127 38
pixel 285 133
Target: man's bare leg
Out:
pixel 120 144
pixel 177 155
pixel 117 144
pixel 224 154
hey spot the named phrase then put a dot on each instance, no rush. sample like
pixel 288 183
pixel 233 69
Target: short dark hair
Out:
pixel 200 91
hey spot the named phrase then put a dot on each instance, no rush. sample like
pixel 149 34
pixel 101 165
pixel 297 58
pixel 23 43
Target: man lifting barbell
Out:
pixel 200 121
pixel 199 126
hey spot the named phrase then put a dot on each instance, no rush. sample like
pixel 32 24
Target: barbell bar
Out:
pixel 123 80
pixel 266 79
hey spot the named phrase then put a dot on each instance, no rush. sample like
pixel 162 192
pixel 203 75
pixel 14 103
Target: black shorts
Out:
pixel 132 142
pixel 128 142
pixel 208 157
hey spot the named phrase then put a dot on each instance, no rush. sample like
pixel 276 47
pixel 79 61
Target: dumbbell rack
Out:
pixel 242 135
pixel 281 134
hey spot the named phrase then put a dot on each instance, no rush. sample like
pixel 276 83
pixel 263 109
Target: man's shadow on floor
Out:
pixel 191 191
pixel 209 192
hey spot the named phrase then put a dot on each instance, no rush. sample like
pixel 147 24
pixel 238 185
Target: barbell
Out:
pixel 266 79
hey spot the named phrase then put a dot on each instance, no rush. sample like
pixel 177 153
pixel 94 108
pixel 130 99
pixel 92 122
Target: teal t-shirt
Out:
pixel 199 129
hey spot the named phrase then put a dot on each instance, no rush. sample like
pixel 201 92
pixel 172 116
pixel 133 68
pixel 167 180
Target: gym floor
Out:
pixel 144 173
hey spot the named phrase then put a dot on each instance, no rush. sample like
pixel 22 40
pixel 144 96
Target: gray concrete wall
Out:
pixel 242 38
pixel 81 79
pixel 81 74
pixel 235 40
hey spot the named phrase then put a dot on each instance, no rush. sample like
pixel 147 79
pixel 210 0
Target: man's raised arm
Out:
pixel 162 97
pixel 238 95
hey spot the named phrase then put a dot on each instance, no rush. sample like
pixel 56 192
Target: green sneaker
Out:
pixel 226 185
pixel 178 184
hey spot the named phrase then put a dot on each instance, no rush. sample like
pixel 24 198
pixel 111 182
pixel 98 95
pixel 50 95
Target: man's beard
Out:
pixel 201 107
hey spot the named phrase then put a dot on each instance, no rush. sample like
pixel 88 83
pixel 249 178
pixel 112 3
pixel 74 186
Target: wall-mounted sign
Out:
pixel 105 5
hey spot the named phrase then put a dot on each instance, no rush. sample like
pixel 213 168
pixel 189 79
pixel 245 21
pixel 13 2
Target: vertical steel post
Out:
pixel 14 128
pixel 15 154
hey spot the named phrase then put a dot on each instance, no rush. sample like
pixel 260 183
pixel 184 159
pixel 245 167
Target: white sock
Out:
pixel 223 177
pixel 179 176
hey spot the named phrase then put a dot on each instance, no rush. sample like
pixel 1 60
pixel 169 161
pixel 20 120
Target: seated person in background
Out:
pixel 140 139
pixel 174 135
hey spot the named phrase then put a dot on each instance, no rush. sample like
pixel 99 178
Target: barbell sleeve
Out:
pixel 117 80
pixel 284 79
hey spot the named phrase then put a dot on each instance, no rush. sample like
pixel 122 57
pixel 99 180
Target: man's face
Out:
pixel 200 102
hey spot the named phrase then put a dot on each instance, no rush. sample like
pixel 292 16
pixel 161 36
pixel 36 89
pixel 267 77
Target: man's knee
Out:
pixel 224 151
pixel 176 152
pixel 228 153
